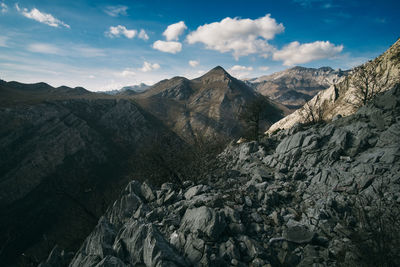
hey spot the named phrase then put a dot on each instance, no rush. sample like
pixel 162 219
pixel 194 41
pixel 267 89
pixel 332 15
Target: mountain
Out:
pixel 65 155
pixel 129 90
pixel 323 195
pixel 295 86
pixel 342 98
pixel 204 107
pixel 12 93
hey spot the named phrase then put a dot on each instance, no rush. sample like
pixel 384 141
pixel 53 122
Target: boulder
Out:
pixel 204 219
pixel 298 233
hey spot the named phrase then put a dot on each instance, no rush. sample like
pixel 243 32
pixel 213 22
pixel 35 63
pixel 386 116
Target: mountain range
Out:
pixel 295 86
pixel 67 154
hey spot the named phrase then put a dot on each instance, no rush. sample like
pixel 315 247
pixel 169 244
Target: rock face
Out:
pixel 64 158
pixel 293 87
pixel 208 106
pixel 303 197
pixel 339 99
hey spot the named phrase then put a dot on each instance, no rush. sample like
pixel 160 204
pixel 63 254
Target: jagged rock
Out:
pixel 96 246
pixel 195 190
pixel 158 252
pixel 204 219
pixel 147 192
pixel 57 258
pixel 111 261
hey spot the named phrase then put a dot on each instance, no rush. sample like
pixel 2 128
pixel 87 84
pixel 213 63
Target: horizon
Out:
pixel 102 45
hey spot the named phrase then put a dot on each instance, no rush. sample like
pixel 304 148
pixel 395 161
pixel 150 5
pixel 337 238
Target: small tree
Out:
pixel 377 236
pixel 367 83
pixel 313 111
pixel 256 111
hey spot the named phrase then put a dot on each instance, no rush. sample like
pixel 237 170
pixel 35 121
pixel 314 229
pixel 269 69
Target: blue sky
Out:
pixel 103 45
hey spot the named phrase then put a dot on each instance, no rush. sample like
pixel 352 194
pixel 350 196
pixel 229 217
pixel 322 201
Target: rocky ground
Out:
pixel 321 195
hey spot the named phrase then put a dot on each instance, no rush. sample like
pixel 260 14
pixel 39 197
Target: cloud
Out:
pixel 193 63
pixel 174 30
pixel 3 41
pixel 168 47
pixel 296 53
pixel 128 72
pixel 45 49
pixel 121 30
pixel 87 51
pixel 240 71
pixel 76 50
pixel 41 17
pixel 239 36
pixel 115 11
pixel 143 35
pixel 149 66
pixel 3 7
pixel 263 68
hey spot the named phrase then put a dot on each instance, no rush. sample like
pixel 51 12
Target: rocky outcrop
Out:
pixel 339 99
pixel 303 197
pixel 295 86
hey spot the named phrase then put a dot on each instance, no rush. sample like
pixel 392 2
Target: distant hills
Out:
pixel 14 92
pixel 129 90
pixel 295 86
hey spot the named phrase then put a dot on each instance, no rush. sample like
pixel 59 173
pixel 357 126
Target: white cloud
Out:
pixel 45 49
pixel 3 7
pixel 128 72
pixel 3 41
pixel 240 71
pixel 263 68
pixel 174 30
pixel 115 11
pixel 147 66
pixel 296 53
pixel 193 63
pixel 239 36
pixel 143 35
pixel 121 30
pixel 41 17
pixel 87 51
pixel 75 50
pixel 168 47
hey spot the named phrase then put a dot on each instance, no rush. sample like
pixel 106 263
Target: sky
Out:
pixel 105 45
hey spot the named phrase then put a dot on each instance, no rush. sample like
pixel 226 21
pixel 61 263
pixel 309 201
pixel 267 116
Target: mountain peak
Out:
pixel 216 74
pixel 218 70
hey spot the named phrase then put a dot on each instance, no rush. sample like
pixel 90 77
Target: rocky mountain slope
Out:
pixel 295 86
pixel 339 99
pixel 65 155
pixel 207 106
pixel 322 195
